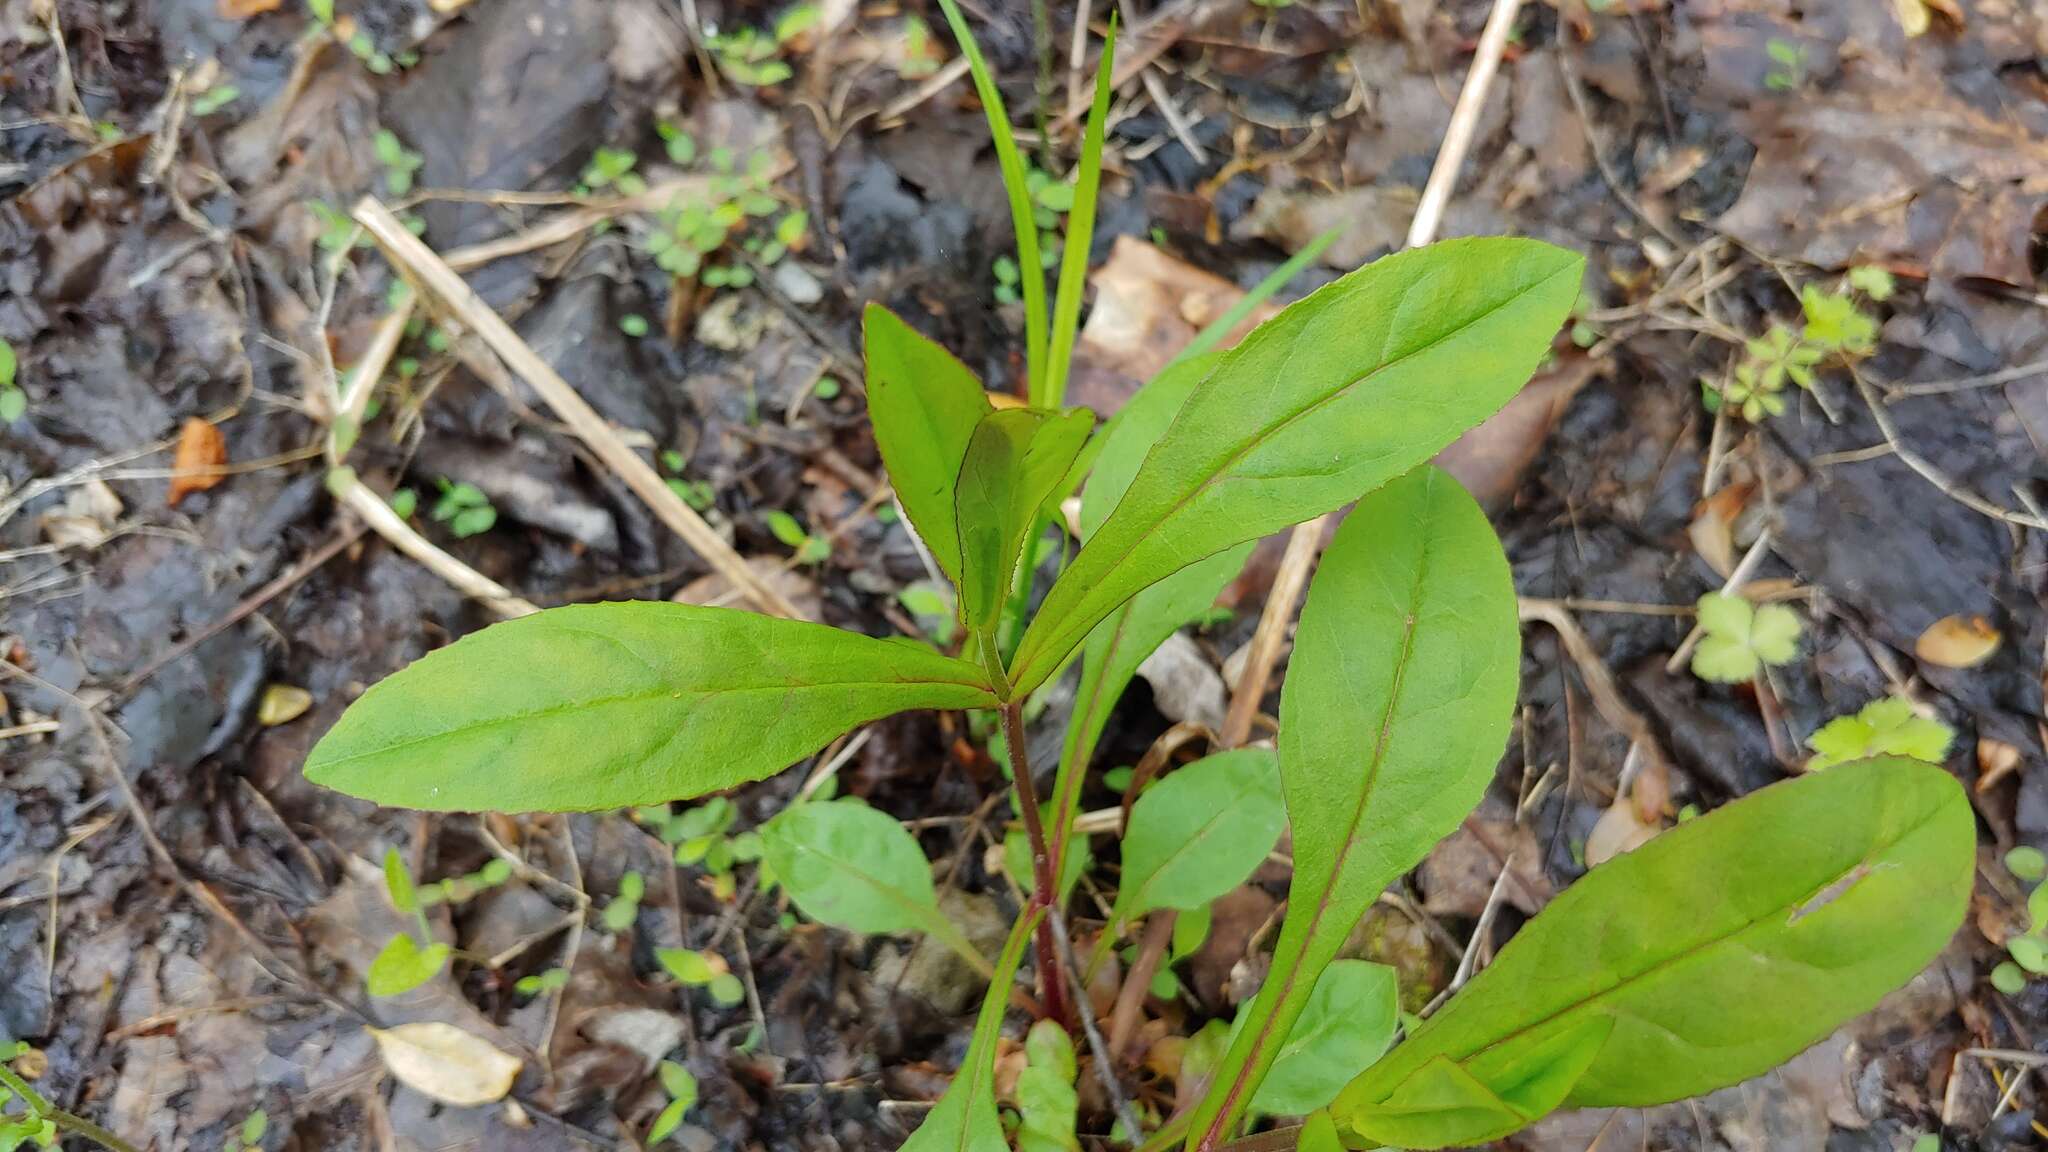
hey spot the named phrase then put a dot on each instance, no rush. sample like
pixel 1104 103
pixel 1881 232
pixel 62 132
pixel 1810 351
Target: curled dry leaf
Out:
pixel 444 1063
pixel 1620 829
pixel 1957 642
pixel 201 450
pixel 1996 760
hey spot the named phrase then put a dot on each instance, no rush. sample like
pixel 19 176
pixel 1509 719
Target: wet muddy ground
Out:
pixel 185 922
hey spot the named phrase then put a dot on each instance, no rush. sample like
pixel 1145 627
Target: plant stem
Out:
pixel 1044 880
pixel 65 1121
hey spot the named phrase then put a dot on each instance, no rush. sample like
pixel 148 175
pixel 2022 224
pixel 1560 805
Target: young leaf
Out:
pixel 1344 1028
pixel 1705 957
pixel 1066 309
pixel 619 705
pixel 924 405
pixel 402 965
pixel 1199 832
pixel 1393 716
pixel 1014 464
pixel 1124 639
pixel 1339 393
pixel 1739 637
pixel 1888 727
pixel 850 866
pixel 965 1119
pixel 1011 161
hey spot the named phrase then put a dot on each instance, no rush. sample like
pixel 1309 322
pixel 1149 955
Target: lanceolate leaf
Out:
pixel 1393 716
pixel 924 405
pixel 1066 311
pixel 620 705
pixel 1344 1028
pixel 1707 956
pixel 1199 832
pixel 1339 393
pixel 850 866
pixel 1124 639
pixel 965 1119
pixel 1014 464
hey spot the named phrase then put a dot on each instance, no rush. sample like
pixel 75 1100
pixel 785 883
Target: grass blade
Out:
pixel 1031 270
pixel 1275 280
pixel 1066 311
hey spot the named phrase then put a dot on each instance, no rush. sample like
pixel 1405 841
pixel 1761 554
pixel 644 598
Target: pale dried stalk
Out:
pixel 433 274
pixel 358 498
pixel 1306 542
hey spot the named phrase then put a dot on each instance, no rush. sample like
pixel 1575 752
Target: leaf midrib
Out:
pixel 1260 438
pixel 696 697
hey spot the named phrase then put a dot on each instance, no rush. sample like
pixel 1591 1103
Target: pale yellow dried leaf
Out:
pixel 444 1063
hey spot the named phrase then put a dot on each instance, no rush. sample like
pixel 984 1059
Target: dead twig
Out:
pixel 434 274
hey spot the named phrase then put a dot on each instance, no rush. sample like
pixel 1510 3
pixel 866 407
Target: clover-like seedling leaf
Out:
pixel 1737 638
pixel 1705 957
pixel 924 405
pixel 1198 833
pixel 1888 727
pixel 1337 394
pixel 965 1118
pixel 598 706
pixel 1395 711
pixel 402 965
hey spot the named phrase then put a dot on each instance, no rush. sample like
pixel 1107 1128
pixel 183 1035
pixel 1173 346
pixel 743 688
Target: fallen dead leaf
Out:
pixel 244 9
pixel 1957 642
pixel 1995 761
pixel 1713 526
pixel 444 1063
pixel 282 704
pixel 201 449
pixel 87 518
pixel 1620 829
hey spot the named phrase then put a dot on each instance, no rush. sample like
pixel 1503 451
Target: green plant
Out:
pixel 1738 638
pixel 1887 727
pixel 1834 327
pixel 250 1135
pixel 1395 709
pixel 464 508
pixel 681 1087
pixel 214 99
pixel 751 57
pixel 407 960
pixel 28 1118
pixel 2029 949
pixel 13 401
pixel 400 163
pixel 1046 1101
pixel 1787 69
pixel 809 549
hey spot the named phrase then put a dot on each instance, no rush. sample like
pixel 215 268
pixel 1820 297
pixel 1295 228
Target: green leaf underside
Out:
pixel 1199 832
pixel 1127 636
pixel 1393 716
pixel 1344 1028
pixel 1015 462
pixel 924 405
pixel 1340 392
pixel 853 867
pixel 1716 951
pixel 965 1118
pixel 597 706
pixel 1444 1103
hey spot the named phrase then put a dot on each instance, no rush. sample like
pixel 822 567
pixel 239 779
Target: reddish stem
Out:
pixel 1044 881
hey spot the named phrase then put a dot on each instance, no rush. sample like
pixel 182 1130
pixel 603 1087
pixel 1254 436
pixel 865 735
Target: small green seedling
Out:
pixel 464 508
pixel 214 99
pixel 809 549
pixel 1787 69
pixel 1047 1104
pixel 400 163
pixel 1834 328
pixel 410 959
pixel 1739 638
pixel 624 909
pixel 28 1118
pixel 681 1087
pixel 706 970
pixel 1888 727
pixel 2029 950
pixel 13 401
pixel 249 1137
pixel 753 58
pixel 540 983
pixel 1787 911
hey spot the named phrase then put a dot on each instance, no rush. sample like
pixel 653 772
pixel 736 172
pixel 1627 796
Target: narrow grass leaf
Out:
pixel 1394 714
pixel 1705 957
pixel 598 706
pixel 965 1118
pixel 1066 312
pixel 1340 392
pixel 1022 217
